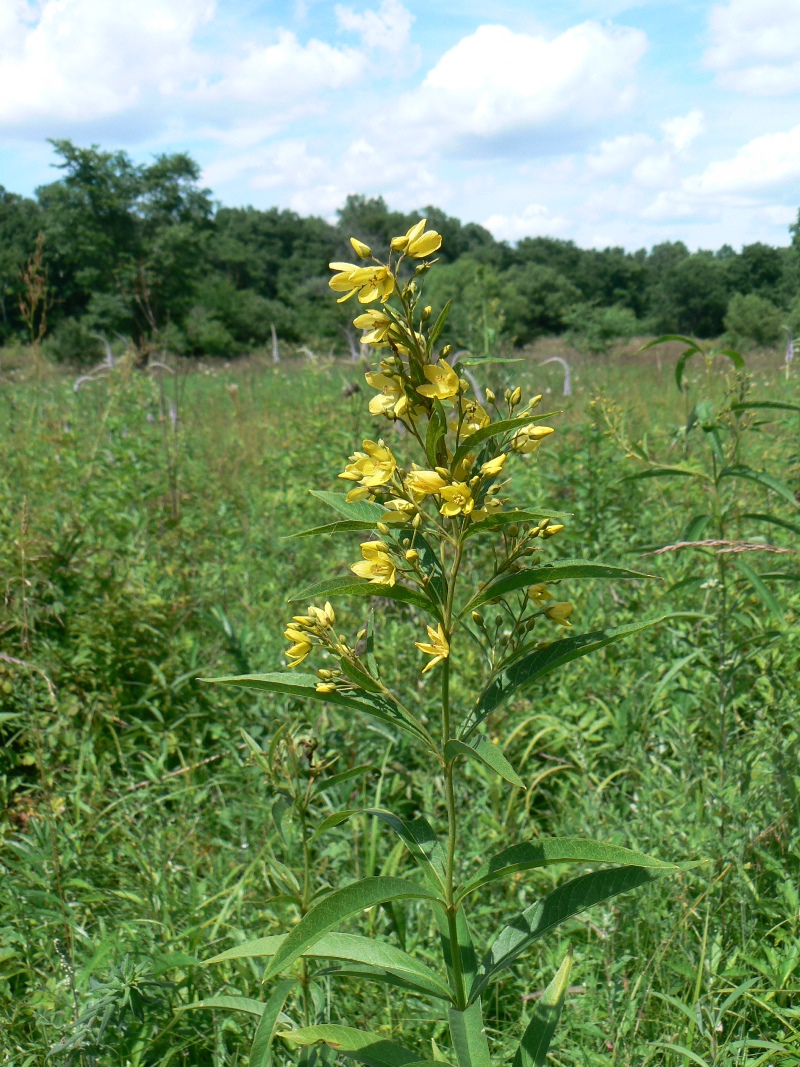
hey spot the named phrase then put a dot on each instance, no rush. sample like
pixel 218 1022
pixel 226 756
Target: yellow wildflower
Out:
pixel 376 565
pixel 417 241
pixel 392 399
pixel 528 438
pixel 360 248
pixel 372 467
pixel 377 322
pixel 424 483
pixel 560 612
pixel 370 283
pixel 438 648
pixel 399 511
pixel 443 381
pixel 492 467
pixel 539 593
pixel 300 645
pixel 457 500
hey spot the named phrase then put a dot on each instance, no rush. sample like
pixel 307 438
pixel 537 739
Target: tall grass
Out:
pixel 135 830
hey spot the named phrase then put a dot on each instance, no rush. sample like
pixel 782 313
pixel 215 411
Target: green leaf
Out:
pixel 547 850
pixel 345 526
pixel 542 661
pixel 491 755
pixel 478 361
pixel 305 686
pixel 765 480
pixel 349 948
pixel 437 428
pixel 359 677
pixel 466 949
pixel 358 510
pixel 494 429
pixel 349 585
pixel 664 472
pixel 550 572
pixel 550 912
pixel 532 1050
pixel 333 909
pixel 370 1048
pixel 252 1007
pixel 438 326
pixel 469 1036
pixel 683 1051
pixel 773 405
pixel 343 776
pixel 506 518
pixel 261 1049
pixel 760 589
pixel 774 520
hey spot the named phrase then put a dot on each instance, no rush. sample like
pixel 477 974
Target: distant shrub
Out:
pixel 754 318
pixel 207 335
pixel 593 328
pixel 72 342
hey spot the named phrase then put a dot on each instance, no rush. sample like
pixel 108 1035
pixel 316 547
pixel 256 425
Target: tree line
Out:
pixel 143 251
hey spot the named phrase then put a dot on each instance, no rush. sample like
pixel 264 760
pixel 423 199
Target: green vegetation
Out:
pixel 143 252
pixel 141 550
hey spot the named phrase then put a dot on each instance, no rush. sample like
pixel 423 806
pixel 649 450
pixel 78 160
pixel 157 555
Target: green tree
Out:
pixel 20 222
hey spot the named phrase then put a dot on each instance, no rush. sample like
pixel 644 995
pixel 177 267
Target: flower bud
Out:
pixel 383 529
pixel 513 531
pixel 412 555
pixel 543 524
pixel 443 472
pixel 478 618
pixel 516 396
pixel 498 620
pixel 446 351
pixel 360 634
pixel 325 687
pixel 490 397
pixel 362 250
pixel 399 243
pixel 416 522
pixel 535 401
pixel 551 531
pixel 426 313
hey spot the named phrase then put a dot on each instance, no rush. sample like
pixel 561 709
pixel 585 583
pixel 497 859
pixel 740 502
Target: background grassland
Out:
pixel 141 551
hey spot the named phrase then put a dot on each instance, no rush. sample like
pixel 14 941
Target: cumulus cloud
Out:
pixel 755 46
pixel 384 31
pixel 496 86
pixel 534 220
pixel 86 59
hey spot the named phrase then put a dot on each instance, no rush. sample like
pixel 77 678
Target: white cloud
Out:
pixel 535 221
pixel 86 59
pixel 764 163
pixel 496 86
pixel 681 132
pixel 619 154
pixel 386 30
pixel 755 46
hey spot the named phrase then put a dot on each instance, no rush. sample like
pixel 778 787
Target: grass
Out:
pixel 140 553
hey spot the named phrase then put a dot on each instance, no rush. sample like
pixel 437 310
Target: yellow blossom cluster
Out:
pixel 304 630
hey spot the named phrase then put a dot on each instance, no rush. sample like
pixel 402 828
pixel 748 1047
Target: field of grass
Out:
pixel 141 550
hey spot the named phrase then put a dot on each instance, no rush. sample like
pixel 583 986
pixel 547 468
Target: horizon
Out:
pixel 617 123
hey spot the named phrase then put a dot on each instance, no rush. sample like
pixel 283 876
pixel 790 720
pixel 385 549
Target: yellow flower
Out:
pixel 560 612
pixel 417 241
pixel 493 467
pixel 392 399
pixel 376 565
pixel 438 648
pixel 360 248
pixel 539 593
pixel 528 438
pixel 399 511
pixel 424 483
pixel 372 467
pixel 552 530
pixel 443 381
pixel 475 418
pixel 370 283
pixel 457 500
pixel 377 322
pixel 491 505
pixel 300 645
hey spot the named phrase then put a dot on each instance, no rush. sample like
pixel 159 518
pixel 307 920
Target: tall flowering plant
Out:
pixel 420 522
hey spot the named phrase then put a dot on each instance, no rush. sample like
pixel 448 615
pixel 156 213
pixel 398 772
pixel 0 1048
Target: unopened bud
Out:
pixel 416 522
pixel 535 401
pixel 516 396
pixel 383 529
pixel 360 634
pixel 446 351
pixel 490 396
pixel 498 619
pixel 426 313
pixel 412 555
pixel 543 524
pixel 443 472
pixel 477 617
pixel 513 531
pixel 360 248
pixel 551 531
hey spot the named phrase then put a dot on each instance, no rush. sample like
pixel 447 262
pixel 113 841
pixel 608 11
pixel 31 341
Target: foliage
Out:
pixel 753 318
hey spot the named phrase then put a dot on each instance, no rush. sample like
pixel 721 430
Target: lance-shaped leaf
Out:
pixel 506 518
pixel 469 1036
pixel 466 949
pixel 437 428
pixel 761 591
pixel 438 326
pixel 528 668
pixel 417 835
pixel 261 1049
pixel 490 755
pixel 532 1050
pixel 252 1007
pixel 762 479
pixel 305 687
pixel 348 948
pixel 388 978
pixel 532 854
pixel 665 472
pixel 495 429
pixel 550 572
pixel 774 520
pixel 335 908
pixel 344 526
pixel 358 510
pixel 370 1048
pixel 550 912
pixel 349 585
pixel 771 405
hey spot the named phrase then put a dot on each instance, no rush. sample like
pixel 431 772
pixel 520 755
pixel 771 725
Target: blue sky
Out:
pixel 611 122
